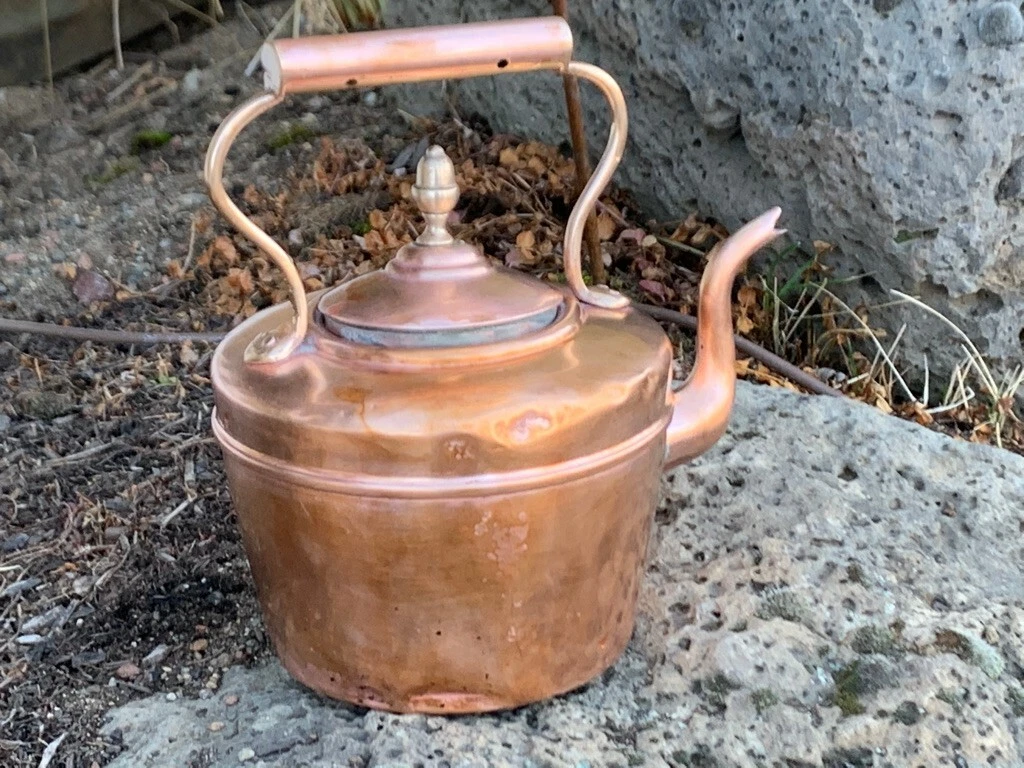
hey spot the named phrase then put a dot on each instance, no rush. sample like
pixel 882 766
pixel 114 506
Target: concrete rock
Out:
pixel 888 128
pixel 802 607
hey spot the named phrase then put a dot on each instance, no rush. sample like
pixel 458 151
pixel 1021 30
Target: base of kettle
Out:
pixel 328 684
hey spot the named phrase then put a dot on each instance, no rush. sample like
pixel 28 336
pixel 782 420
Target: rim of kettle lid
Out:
pixel 438 291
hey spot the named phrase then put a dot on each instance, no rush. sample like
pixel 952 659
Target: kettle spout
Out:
pixel 702 405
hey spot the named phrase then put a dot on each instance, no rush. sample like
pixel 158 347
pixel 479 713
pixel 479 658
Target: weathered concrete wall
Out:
pixel 80 30
pixel 893 129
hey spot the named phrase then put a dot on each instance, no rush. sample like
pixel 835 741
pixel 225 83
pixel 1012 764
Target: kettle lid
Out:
pixel 438 291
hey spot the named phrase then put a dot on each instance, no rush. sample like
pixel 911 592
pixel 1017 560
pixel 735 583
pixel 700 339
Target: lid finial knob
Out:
pixel 436 194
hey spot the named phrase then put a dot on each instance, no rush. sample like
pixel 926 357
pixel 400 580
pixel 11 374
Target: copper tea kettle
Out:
pixel 445 472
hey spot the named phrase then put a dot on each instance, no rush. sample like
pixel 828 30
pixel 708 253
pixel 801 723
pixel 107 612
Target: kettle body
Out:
pixel 448 538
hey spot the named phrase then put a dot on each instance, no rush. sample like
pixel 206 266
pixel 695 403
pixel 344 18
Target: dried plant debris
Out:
pixel 122 572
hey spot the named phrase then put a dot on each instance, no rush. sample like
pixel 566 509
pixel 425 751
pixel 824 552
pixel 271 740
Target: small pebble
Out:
pixel 128 671
pixel 217 725
pixel 91 286
pixel 25 584
pixel 199 645
pixel 190 82
pixel 370 98
pixel 14 543
pixel 30 639
pixel 17 257
pixel 295 237
pixel 246 754
pixel 155 656
pixel 172 696
pixel 231 699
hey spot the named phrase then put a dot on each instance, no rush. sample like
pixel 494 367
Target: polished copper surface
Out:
pixel 438 291
pixel 386 419
pixel 445 473
pixel 703 404
pixel 449 605
pixel 368 59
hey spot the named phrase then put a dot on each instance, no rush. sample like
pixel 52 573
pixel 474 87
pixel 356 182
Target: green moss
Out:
pixel 763 699
pixel 905 236
pixel 361 227
pixel 874 639
pixel 950 696
pixel 116 169
pixel 848 688
pixel 144 140
pixel 700 757
pixel 293 134
pixel 907 713
pixel 855 573
pixel 782 603
pixel 714 690
pixel 1015 698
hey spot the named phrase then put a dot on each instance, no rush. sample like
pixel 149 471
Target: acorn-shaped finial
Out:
pixel 436 194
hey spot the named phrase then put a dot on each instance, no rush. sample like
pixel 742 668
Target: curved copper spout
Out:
pixel 702 406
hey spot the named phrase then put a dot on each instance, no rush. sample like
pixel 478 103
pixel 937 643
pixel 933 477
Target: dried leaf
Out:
pixel 748 297
pixel 377 220
pixel 605 226
pixel 525 240
pixel 508 157
pixel 632 237
pixel 656 289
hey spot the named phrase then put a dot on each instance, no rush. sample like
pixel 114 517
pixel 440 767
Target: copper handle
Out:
pixel 366 59
pixel 411 55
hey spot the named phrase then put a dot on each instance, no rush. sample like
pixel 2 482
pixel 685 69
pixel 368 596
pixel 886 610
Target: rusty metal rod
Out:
pixel 103 336
pixel 759 353
pixel 143 338
pixel 581 158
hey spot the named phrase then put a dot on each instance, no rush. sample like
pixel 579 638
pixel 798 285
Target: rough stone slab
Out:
pixel 889 128
pixel 819 546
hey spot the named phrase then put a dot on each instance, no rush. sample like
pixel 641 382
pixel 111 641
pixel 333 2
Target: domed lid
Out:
pixel 437 291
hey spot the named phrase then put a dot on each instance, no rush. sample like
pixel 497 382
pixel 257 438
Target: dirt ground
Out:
pixel 121 570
